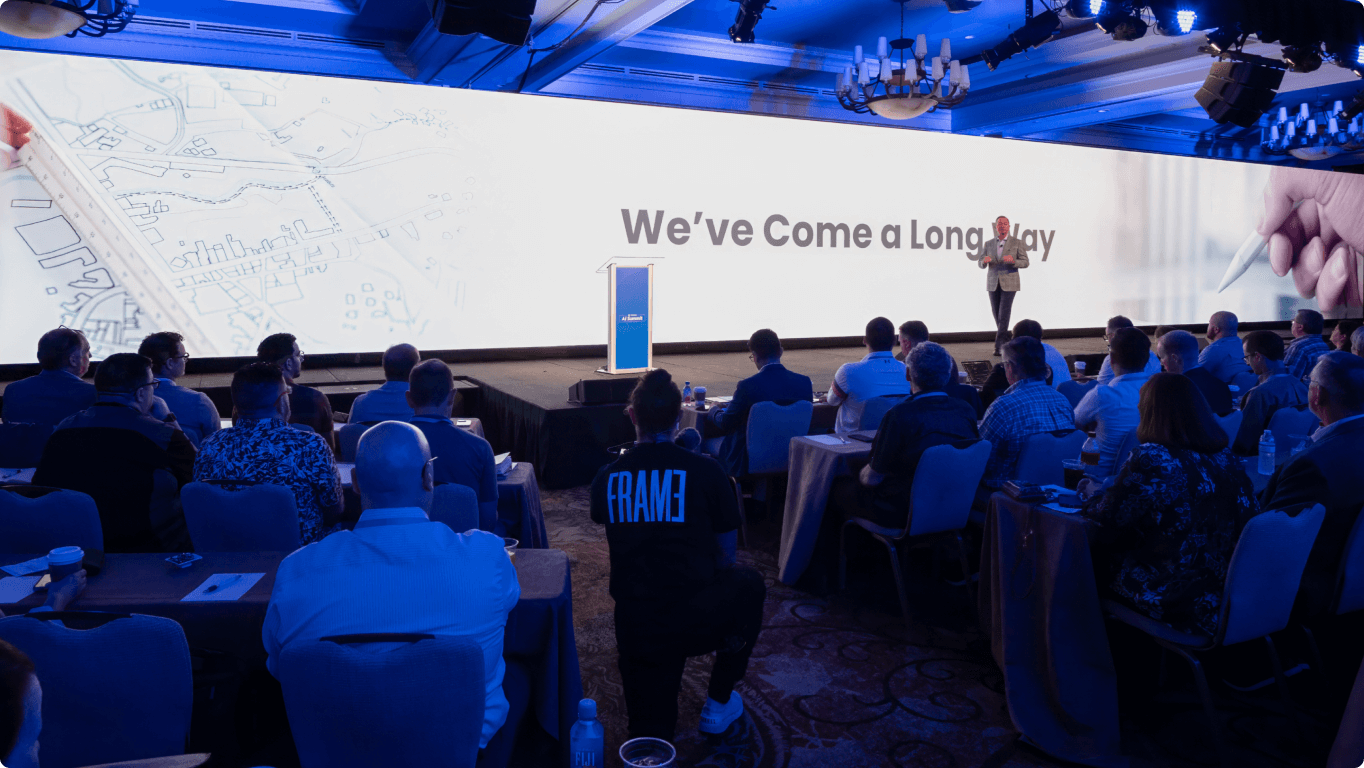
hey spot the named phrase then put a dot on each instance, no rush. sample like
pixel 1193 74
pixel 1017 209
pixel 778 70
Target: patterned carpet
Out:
pixel 838 682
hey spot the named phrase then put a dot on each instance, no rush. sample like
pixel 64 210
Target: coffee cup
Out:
pixel 64 561
pixel 1080 367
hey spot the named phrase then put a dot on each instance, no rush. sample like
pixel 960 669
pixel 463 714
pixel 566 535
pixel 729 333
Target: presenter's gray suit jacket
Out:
pixel 1002 275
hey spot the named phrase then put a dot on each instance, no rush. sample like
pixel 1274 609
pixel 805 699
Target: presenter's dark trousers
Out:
pixel 1001 306
pixel 655 637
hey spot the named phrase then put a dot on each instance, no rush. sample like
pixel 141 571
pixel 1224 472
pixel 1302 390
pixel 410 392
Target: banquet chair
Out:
pixel 348 436
pixel 457 506
pixel 1262 581
pixel 771 427
pixel 170 761
pixel 1291 426
pixel 875 409
pixel 21 444
pixel 1230 424
pixel 357 701
pixel 115 686
pixel 1039 461
pixel 240 516
pixel 301 426
pixel 939 504
pixel 1350 574
pixel 1074 391
pixel 38 519
pixel 1129 443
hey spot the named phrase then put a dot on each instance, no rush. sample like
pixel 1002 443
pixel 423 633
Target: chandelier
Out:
pixel 876 86
pixel 43 19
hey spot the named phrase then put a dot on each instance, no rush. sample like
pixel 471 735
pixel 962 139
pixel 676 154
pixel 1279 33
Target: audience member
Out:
pixel 1169 521
pixel 1161 330
pixel 397 572
pixel 913 333
pixel 262 447
pixel 57 391
pixel 928 418
pixel 389 402
pixel 1115 324
pixel 772 383
pixel 1111 409
pixel 1224 356
pixel 1342 334
pixel 1178 353
pixel 1277 389
pixel 1026 408
pixel 462 457
pixel 670 518
pixel 21 708
pixel 1326 472
pixel 194 411
pixel 1357 342
pixel 307 406
pixel 1058 370
pixel 876 375
pixel 130 463
pixel 1308 345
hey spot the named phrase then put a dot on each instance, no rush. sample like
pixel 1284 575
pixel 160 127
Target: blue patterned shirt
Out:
pixel 270 451
pixel 1027 408
pixel 1301 356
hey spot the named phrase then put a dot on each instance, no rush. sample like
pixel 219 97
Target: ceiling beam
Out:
pixel 683 43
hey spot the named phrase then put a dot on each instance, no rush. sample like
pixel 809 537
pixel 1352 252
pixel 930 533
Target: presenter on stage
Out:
pixel 1003 257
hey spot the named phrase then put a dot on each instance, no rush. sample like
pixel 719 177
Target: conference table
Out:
pixel 821 421
pixel 539 633
pixel 813 464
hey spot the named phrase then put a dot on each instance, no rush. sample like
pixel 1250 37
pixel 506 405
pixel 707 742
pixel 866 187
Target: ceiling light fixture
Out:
pixel 1302 58
pixel 1036 31
pixel 961 6
pixel 45 19
pixel 750 12
pixel 909 91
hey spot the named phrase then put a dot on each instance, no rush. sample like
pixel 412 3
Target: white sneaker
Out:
pixel 716 717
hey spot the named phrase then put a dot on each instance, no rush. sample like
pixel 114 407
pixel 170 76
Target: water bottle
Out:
pixel 587 738
pixel 686 392
pixel 1266 453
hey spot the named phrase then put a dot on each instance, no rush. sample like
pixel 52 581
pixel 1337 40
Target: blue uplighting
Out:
pixel 1095 6
pixel 1359 56
pixel 1186 20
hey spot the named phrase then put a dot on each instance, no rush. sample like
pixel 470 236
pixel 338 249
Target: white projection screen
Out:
pixel 230 204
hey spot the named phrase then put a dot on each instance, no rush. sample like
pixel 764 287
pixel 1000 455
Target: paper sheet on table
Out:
pixel 16 588
pixel 344 468
pixel 228 593
pixel 25 568
pixel 828 439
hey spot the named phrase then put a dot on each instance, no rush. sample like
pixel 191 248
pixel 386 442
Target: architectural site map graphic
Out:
pixel 229 205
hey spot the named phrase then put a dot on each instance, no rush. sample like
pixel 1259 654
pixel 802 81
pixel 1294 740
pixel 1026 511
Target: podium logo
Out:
pixel 632 318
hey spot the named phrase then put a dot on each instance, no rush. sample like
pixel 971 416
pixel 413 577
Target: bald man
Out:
pixel 389 402
pixel 398 571
pixel 1224 357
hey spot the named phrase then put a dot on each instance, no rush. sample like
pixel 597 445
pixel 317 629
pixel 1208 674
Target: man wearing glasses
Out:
pixel 132 464
pixel 1277 389
pixel 307 406
pixel 194 411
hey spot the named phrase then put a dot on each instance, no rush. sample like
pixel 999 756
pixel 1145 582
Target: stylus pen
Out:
pixel 1246 255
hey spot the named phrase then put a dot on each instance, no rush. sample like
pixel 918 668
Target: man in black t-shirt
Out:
pixel 671 517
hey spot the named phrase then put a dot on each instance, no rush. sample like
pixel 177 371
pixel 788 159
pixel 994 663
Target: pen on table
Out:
pixel 1246 255
pixel 225 583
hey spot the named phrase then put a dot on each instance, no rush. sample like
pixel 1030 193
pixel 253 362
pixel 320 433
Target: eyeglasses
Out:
pixel 180 357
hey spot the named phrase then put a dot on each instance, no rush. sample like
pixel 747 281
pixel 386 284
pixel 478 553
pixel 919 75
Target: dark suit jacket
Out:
pixel 47 398
pixel 1326 473
pixel 133 466
pixel 1214 390
pixel 771 384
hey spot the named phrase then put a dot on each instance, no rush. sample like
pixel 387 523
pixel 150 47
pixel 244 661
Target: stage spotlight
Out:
pixel 1084 9
pixel 961 6
pixel 750 11
pixel 1239 91
pixel 1359 55
pixel 1302 58
pixel 1224 39
pixel 1186 18
pixel 1037 31
pixel 1123 26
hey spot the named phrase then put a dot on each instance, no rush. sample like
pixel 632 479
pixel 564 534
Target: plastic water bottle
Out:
pixel 1267 453
pixel 686 392
pixel 587 738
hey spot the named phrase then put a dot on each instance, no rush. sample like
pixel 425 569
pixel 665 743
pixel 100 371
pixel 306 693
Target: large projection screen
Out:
pixel 230 204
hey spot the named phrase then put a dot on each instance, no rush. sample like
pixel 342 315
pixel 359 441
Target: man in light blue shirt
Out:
pixel 397 571
pixel 1224 357
pixel 1115 324
pixel 58 390
pixel 389 402
pixel 194 411
pixel 876 375
pixel 1112 408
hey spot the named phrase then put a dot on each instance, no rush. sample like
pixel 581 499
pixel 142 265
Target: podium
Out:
pixel 630 335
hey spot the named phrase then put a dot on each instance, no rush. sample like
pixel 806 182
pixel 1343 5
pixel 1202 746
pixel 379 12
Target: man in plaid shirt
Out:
pixel 1027 407
pixel 1308 345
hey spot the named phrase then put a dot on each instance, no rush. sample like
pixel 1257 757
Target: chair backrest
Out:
pixel 874 410
pixel 1074 391
pixel 1265 569
pixel 1350 579
pixel 455 505
pixel 361 702
pixel 21 444
pixel 122 690
pixel 240 516
pixel 944 487
pixel 770 430
pixel 37 519
pixel 1039 462
pixel 1125 448
pixel 1244 382
pixel 1291 426
pixel 1231 424
pixel 302 426
pixel 347 438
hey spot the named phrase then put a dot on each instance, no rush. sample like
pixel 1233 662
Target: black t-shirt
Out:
pixel 662 506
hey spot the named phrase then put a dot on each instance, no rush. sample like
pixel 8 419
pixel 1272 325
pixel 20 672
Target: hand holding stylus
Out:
pixel 1322 240
pixel 14 130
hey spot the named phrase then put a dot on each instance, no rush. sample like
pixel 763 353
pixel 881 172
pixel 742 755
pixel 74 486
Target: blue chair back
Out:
pixel 21 444
pixel 455 505
pixel 1350 583
pixel 875 409
pixel 944 487
pixel 122 690
pixel 347 438
pixel 1125 448
pixel 771 428
pixel 400 700
pixel 1291 426
pixel 1074 391
pixel 1039 462
pixel 1264 573
pixel 37 519
pixel 241 516
pixel 1231 424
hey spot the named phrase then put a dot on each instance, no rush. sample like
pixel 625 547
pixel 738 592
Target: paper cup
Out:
pixel 64 561
pixel 510 546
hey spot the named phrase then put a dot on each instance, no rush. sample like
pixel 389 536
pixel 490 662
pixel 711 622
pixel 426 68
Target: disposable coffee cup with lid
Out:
pixel 64 561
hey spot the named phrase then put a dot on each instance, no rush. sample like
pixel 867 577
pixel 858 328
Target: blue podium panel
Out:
pixel 631 339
